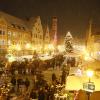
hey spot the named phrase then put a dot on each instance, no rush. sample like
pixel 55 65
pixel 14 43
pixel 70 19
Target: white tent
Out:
pixel 73 54
pixel 76 82
pixel 92 64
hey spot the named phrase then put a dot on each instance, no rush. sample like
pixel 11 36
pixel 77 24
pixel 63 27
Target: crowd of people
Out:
pixel 27 81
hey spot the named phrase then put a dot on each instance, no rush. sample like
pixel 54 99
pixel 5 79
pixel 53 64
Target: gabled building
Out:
pixel 47 36
pixel 15 33
pixel 3 35
pixel 54 31
pixel 93 41
pixel 96 44
pixel 46 39
pixel 37 33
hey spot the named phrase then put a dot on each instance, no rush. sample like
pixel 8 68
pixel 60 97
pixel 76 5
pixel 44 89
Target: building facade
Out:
pixel 3 35
pixel 37 33
pixel 96 45
pixel 93 41
pixel 15 33
pixel 54 30
pixel 46 39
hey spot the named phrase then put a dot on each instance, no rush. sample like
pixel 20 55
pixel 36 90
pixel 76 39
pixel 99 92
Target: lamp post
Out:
pixel 89 74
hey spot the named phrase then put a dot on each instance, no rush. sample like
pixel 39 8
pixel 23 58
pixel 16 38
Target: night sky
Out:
pixel 73 15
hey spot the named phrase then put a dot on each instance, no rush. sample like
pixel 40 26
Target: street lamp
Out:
pixel 28 46
pixel 18 47
pixel 90 74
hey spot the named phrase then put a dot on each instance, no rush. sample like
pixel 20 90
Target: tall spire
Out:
pixel 47 35
pixel 55 39
pixel 90 29
pixel 89 33
pixel 89 38
pixel 47 31
pixel 54 30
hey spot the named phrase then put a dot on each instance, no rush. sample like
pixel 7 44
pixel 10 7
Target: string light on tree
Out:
pixel 68 42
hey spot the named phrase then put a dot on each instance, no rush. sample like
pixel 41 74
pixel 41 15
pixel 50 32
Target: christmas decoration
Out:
pixel 68 43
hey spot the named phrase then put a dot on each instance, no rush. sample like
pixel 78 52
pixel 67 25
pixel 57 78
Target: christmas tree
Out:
pixel 68 43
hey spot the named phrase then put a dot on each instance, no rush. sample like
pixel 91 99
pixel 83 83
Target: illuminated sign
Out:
pixel 89 86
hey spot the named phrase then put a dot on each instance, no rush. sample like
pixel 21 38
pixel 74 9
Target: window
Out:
pixel 23 28
pixel 9 42
pixel 38 31
pixel 13 25
pixel 19 27
pixel 40 37
pixel 47 37
pixel 9 33
pixel 0 32
pixel 2 42
pixel 14 33
pixel 3 32
pixel 36 35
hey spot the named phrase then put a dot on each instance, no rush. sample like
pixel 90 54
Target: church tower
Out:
pixel 47 35
pixel 54 31
pixel 89 41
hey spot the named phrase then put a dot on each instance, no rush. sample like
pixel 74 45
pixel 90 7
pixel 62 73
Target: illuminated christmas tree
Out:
pixel 68 43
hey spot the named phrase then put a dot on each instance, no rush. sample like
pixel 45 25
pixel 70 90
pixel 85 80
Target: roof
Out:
pixel 96 29
pixel 30 22
pixel 14 21
pixel 96 33
pixel 45 29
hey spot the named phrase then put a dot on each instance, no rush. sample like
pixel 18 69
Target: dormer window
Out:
pixel 19 27
pixel 23 28
pixel 13 25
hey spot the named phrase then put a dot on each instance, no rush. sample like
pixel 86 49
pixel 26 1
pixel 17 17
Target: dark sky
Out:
pixel 73 15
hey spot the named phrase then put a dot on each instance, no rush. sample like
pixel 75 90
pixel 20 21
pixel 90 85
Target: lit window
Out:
pixel 40 37
pixel 3 32
pixel 19 27
pixel 14 33
pixel 0 32
pixel 9 42
pixel 36 35
pixel 9 33
pixel 2 42
pixel 23 28
pixel 13 25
